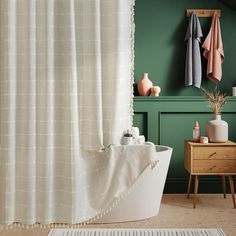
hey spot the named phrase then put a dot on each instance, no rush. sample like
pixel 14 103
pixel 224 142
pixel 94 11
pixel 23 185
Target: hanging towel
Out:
pixel 193 68
pixel 213 51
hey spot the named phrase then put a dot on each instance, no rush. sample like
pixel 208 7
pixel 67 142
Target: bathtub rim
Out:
pixel 165 148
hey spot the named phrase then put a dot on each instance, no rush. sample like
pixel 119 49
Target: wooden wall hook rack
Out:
pixel 204 12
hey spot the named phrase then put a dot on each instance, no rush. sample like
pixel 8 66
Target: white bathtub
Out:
pixel 145 198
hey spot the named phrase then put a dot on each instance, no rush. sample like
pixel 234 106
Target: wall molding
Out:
pixel 181 112
pixel 175 98
pixel 156 106
pixel 206 185
pixel 158 111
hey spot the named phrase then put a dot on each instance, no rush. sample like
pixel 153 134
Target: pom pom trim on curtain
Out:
pixel 48 147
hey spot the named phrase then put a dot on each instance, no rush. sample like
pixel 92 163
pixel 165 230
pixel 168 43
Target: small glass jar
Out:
pixel 203 139
pixel 128 138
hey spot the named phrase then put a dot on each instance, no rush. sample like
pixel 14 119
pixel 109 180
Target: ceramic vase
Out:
pixel 217 130
pixel 155 90
pixel 145 85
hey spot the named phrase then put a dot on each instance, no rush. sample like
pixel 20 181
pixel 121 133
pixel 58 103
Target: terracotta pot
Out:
pixel 217 130
pixel 145 85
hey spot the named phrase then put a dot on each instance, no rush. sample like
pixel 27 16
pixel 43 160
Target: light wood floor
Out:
pixel 213 211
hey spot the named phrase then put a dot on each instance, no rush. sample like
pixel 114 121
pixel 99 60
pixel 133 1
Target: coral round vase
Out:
pixel 145 85
pixel 217 130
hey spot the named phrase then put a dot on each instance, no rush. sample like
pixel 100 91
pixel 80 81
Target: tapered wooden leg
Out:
pixel 223 186
pixel 189 185
pixel 231 184
pixel 195 190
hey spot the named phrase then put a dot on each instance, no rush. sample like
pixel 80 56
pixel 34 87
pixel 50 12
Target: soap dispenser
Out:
pixel 196 132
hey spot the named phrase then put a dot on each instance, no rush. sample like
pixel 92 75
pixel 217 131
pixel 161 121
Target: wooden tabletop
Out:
pixel 194 143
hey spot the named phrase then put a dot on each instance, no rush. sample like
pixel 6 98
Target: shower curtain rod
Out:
pixel 204 12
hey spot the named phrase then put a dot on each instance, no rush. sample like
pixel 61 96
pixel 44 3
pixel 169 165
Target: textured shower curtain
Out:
pixel 65 94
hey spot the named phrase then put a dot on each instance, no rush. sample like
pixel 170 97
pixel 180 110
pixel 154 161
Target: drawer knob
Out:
pixel 212 167
pixel 212 155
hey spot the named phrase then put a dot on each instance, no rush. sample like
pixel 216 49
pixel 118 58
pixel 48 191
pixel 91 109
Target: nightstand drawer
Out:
pixel 210 153
pixel 214 166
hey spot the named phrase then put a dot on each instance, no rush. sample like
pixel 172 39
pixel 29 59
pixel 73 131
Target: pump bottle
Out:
pixel 196 132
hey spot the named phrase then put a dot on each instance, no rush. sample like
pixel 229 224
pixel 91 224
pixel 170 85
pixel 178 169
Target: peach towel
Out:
pixel 213 51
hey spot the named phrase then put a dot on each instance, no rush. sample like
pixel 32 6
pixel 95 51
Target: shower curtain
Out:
pixel 65 95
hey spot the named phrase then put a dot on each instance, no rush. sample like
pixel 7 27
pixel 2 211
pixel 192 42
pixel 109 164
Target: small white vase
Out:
pixel 217 130
pixel 234 91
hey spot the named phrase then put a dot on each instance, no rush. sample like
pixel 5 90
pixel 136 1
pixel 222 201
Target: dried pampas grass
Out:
pixel 216 99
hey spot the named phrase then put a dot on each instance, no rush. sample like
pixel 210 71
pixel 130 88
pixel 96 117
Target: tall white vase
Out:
pixel 217 130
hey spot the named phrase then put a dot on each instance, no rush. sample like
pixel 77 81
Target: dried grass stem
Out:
pixel 216 100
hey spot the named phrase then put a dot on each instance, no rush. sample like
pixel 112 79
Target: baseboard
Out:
pixel 206 185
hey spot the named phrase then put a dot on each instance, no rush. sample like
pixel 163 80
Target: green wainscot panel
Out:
pixel 140 121
pixel 168 120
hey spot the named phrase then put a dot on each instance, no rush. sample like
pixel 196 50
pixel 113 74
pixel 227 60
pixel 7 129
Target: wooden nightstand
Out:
pixel 210 159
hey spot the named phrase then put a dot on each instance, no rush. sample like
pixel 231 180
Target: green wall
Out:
pixel 160 48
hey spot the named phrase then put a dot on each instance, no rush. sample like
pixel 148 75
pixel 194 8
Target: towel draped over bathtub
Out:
pixel 213 51
pixel 193 67
pixel 104 178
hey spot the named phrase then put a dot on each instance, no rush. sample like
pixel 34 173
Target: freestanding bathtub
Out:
pixel 145 198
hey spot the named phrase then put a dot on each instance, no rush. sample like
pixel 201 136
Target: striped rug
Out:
pixel 136 232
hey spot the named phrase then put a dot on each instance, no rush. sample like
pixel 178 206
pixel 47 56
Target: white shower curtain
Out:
pixel 66 92
pixel 65 72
